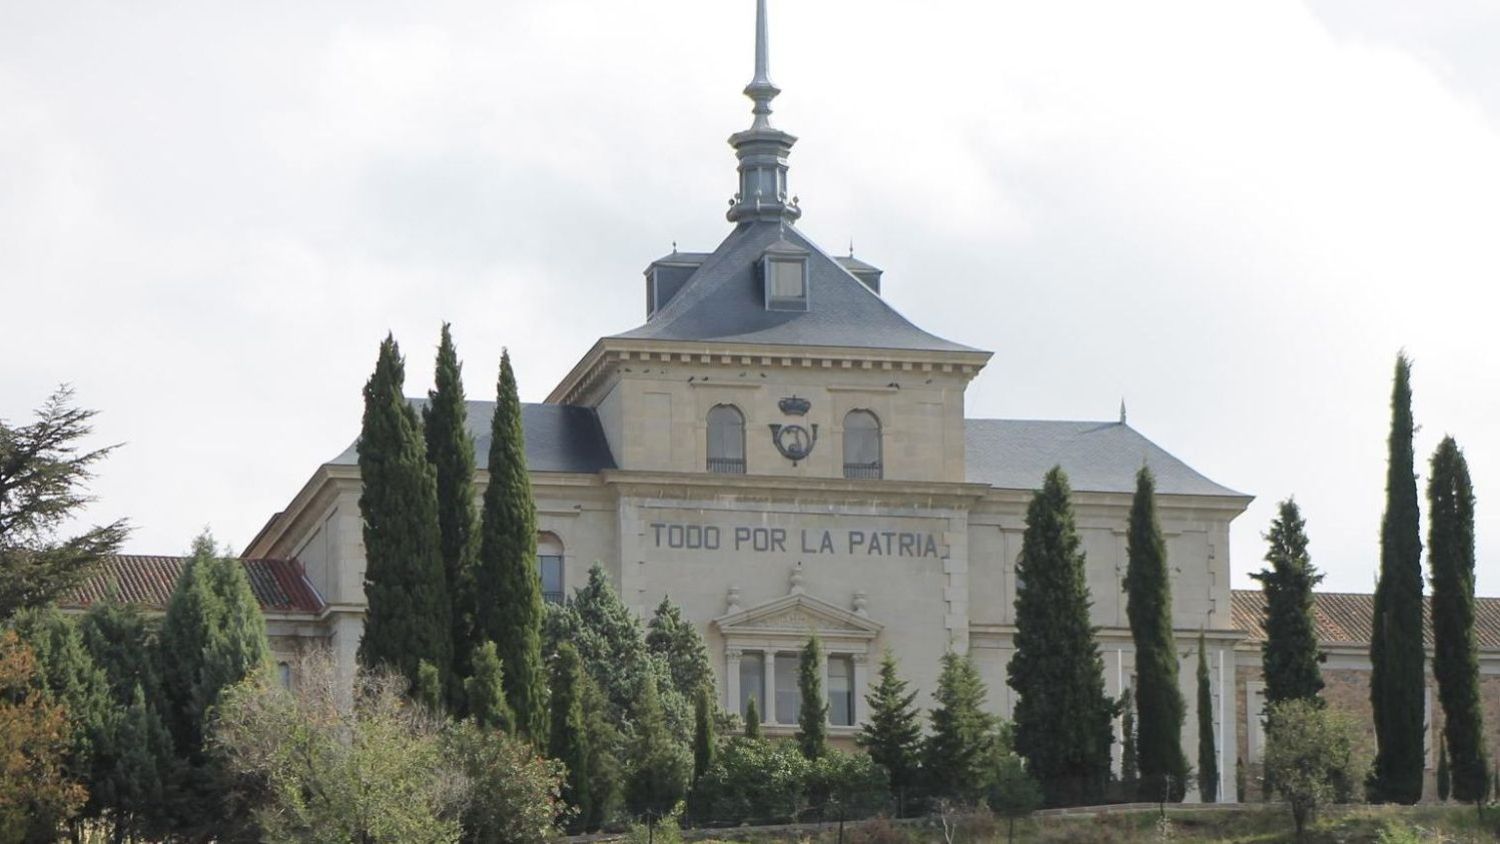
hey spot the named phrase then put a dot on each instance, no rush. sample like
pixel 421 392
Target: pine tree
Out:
pixel 812 716
pixel 507 584
pixel 450 450
pixel 1208 756
pixel 678 641
pixel 1159 704
pixel 1129 764
pixel 960 746
pixel 1397 684
pixel 1063 719
pixel 1444 775
pixel 1289 655
pixel 567 737
pixel 891 734
pixel 1455 662
pixel 660 766
pixel 485 691
pixel 407 608
pixel 752 719
pixel 705 744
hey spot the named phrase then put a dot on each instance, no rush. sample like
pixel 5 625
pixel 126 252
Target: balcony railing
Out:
pixel 862 471
pixel 727 465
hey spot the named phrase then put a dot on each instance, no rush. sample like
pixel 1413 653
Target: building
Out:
pixel 780 451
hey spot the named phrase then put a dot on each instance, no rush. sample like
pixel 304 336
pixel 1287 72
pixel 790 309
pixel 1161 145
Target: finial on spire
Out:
pixel 761 90
pixel 1122 410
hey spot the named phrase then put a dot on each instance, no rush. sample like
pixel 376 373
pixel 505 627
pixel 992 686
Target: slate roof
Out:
pixel 1346 618
pixel 559 437
pixel 1098 457
pixel 147 581
pixel 723 302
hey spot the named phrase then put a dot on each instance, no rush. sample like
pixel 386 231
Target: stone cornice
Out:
pixel 596 363
pixel 309 503
pixel 700 484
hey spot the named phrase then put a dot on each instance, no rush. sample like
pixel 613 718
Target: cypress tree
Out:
pixel 1129 766
pixel 1063 719
pixel 450 450
pixel 812 717
pixel 660 767
pixel 1455 662
pixel 133 791
pixel 407 609
pixel 891 734
pixel 1289 655
pixel 507 584
pixel 960 747
pixel 752 720
pixel 429 688
pixel 1159 705
pixel 1397 683
pixel 705 745
pixel 1208 757
pixel 605 750
pixel 567 738
pixel 485 691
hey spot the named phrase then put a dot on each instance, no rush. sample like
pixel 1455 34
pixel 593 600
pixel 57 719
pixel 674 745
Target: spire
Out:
pixel 1122 410
pixel 762 149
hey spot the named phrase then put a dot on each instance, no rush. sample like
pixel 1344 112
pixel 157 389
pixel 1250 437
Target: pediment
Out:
pixel 799 614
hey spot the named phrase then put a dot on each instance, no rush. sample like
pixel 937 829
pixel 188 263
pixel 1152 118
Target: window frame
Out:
pixel 864 470
pixel 723 464
pixel 547 541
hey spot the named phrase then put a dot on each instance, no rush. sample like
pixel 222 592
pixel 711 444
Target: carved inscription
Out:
pixel 809 541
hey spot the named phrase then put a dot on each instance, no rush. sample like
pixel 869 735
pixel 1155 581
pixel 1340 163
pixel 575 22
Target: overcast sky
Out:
pixel 1232 215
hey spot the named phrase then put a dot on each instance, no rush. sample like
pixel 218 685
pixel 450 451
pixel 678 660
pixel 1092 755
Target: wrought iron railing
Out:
pixel 862 471
pixel 727 465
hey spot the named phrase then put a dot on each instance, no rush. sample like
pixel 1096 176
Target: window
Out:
pixel 549 560
pixel 788 696
pixel 284 674
pixel 726 440
pixel 861 445
pixel 841 691
pixel 753 682
pixel 786 284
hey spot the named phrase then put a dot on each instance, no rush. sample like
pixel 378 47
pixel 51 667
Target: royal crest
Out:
pixel 794 406
pixel 794 441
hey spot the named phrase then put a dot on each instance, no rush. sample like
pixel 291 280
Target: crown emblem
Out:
pixel 793 406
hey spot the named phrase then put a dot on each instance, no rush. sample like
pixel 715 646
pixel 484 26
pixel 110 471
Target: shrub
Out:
pixel 755 781
pixel 1311 756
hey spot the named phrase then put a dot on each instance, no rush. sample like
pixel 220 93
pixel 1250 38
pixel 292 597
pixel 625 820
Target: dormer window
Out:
pixel 785 267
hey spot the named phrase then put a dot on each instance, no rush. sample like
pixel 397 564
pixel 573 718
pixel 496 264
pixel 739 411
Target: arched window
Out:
pixel 549 560
pixel 284 674
pixel 726 440
pixel 861 445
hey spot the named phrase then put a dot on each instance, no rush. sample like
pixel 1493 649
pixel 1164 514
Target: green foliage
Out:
pixel 67 673
pixel 36 794
pixel 450 450
pixel 1289 655
pixel 1129 769
pixel 848 785
pixel 1455 662
pixel 507 584
pixel 705 744
pixel 812 714
pixel 678 642
pixel 1208 756
pixel 42 490
pixel 485 691
pixel 664 830
pixel 958 750
pixel 891 733
pixel 752 719
pixel 606 748
pixel 372 771
pixel 567 735
pixel 1063 718
pixel 1014 793
pixel 1240 783
pixel 1149 606
pixel 429 689
pixel 514 795
pixel 1444 777
pixel 407 618
pixel 1311 756
pixel 1397 683
pixel 756 781
pixel 660 765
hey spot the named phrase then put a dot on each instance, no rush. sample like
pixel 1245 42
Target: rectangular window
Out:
pixel 841 691
pixel 753 683
pixel 788 697
pixel 786 284
pixel 551 566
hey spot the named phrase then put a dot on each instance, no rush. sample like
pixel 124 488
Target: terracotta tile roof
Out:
pixel 1345 618
pixel 279 585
